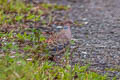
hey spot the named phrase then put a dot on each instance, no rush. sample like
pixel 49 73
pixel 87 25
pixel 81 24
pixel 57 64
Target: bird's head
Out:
pixel 67 24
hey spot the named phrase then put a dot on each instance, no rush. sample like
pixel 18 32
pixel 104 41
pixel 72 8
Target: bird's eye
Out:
pixel 65 27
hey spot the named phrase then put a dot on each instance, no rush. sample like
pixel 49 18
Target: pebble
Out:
pixel 29 59
pixel 101 33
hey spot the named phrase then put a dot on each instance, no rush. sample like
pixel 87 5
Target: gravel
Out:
pixel 99 35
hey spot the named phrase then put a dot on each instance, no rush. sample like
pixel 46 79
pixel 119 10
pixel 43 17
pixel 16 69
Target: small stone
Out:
pixel 19 62
pixel 84 52
pixel 13 52
pixel 85 22
pixel 60 27
pixel 13 43
pixel 84 19
pixel 1 55
pixel 29 59
pixel 12 56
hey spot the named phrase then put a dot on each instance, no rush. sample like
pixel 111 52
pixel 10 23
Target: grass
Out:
pixel 17 11
pixel 20 69
pixel 17 65
pixel 20 48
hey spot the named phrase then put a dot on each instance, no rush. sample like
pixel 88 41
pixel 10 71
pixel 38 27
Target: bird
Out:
pixel 58 41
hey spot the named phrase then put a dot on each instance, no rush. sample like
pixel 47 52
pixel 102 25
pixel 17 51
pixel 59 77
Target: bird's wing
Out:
pixel 59 37
pixel 57 41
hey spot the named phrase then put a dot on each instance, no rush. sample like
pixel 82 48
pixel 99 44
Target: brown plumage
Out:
pixel 60 40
